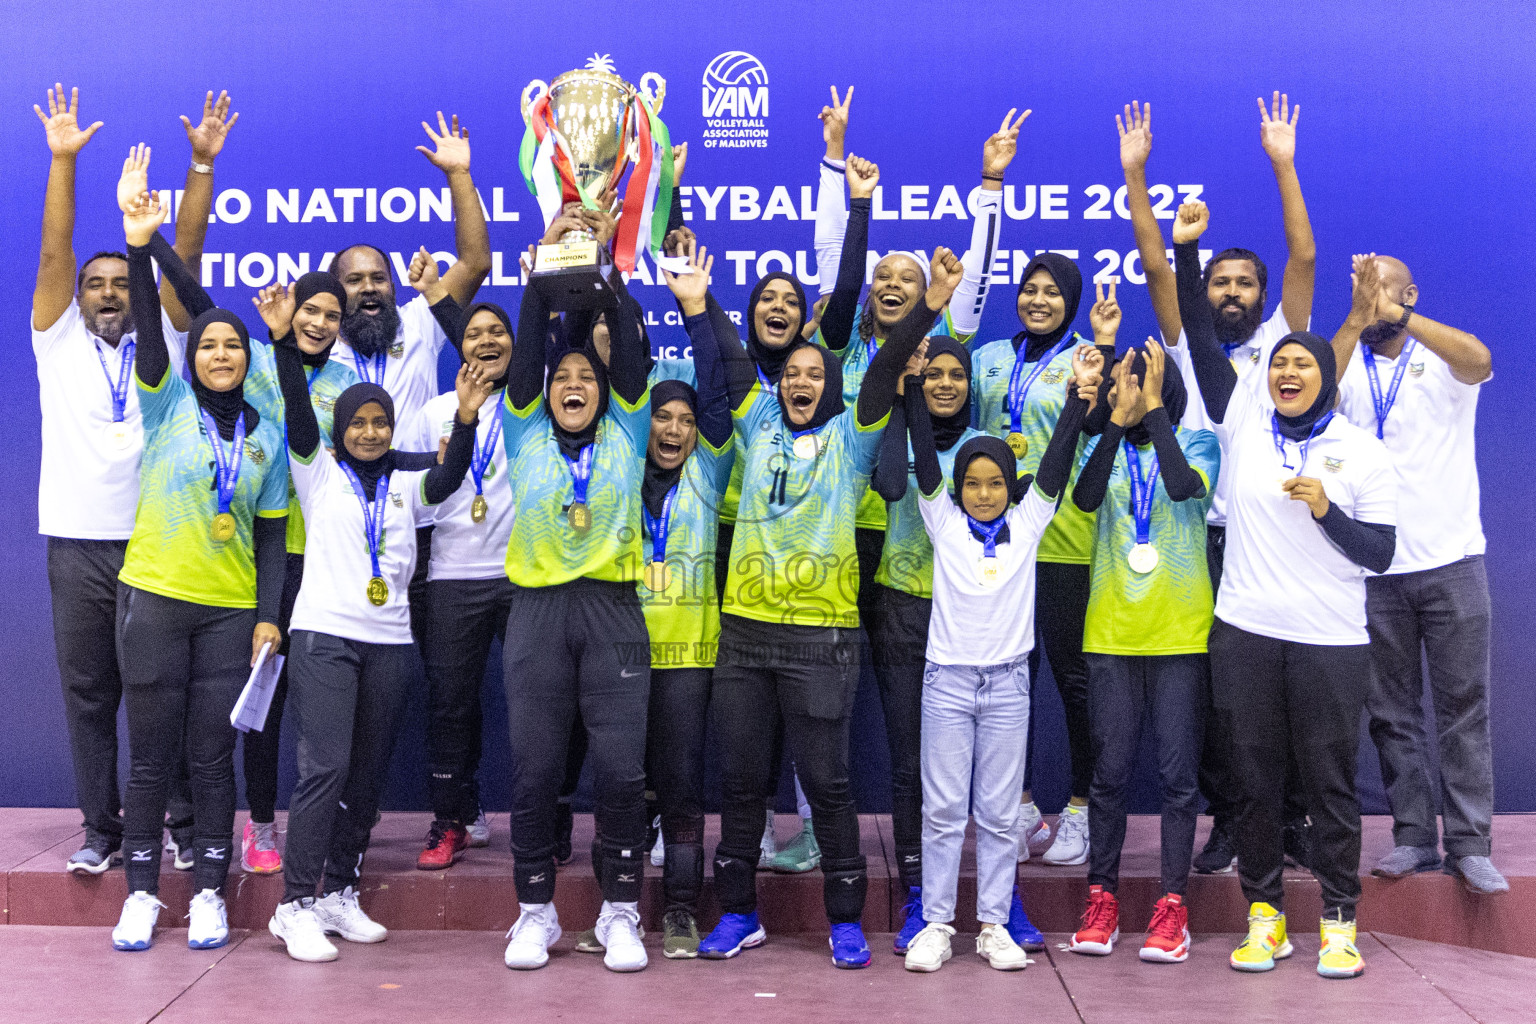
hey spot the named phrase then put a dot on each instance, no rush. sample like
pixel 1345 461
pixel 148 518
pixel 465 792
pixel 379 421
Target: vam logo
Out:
pixel 735 102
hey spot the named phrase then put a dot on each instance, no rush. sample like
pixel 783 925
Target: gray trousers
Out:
pixel 1440 615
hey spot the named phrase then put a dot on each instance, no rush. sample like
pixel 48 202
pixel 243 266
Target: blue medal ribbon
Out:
pixel 482 457
pixel 1317 428
pixel 870 348
pixel 660 526
pixel 762 378
pixel 120 388
pixel 987 533
pixel 581 473
pixel 378 362
pixel 227 465
pixel 1018 384
pixel 373 513
pixel 1142 489
pixel 1384 404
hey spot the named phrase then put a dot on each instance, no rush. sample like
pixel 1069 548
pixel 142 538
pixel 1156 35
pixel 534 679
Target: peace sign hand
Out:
pixel 834 123
pixel 1002 144
pixel 208 135
pixel 65 137
pixel 1105 314
pixel 1277 128
pixel 1135 129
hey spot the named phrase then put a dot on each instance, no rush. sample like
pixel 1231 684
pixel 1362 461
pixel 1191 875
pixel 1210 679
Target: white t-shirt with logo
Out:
pixel 974 623
pixel 1283 577
pixel 1247 358
pixel 89 487
pixel 410 363
pixel 1430 432
pixel 463 549
pixel 334 596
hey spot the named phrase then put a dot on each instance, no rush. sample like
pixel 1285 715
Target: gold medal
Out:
pixel 806 446
pixel 989 570
pixel 1143 558
pixel 478 508
pixel 378 591
pixel 118 435
pixel 658 576
pixel 222 528
pixel 1018 444
pixel 580 517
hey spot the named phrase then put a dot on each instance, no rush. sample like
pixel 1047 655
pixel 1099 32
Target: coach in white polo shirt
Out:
pixel 1414 383
pixel 83 338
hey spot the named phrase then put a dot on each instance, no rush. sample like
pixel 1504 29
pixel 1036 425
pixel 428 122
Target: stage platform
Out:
pixel 477 893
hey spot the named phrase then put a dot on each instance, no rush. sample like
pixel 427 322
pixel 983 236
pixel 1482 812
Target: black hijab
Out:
pixel 224 406
pixel 658 481
pixel 306 288
pixel 994 449
pixel 1070 281
pixel 831 403
pixel 947 429
pixel 771 360
pixel 506 322
pixel 1299 428
pixel 347 404
pixel 1175 397
pixel 572 443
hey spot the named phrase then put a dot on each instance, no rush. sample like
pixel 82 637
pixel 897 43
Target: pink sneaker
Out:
pixel 258 849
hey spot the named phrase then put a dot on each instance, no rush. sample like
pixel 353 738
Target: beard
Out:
pixel 1379 333
pixel 111 333
pixel 371 333
pixel 1235 332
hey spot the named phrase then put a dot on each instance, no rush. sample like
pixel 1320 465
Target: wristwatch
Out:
pixel 1407 314
pixel 202 168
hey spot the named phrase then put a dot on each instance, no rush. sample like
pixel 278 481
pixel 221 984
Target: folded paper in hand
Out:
pixel 250 713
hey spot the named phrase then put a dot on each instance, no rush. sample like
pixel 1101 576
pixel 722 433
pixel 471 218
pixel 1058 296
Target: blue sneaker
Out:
pixel 849 950
pixel 1019 928
pixel 734 933
pixel 914 922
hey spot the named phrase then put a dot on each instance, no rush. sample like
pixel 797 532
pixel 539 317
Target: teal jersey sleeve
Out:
pixel 673 369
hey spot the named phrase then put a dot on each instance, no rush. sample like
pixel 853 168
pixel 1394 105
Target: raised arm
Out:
pixel 629 357
pixel 1082 393
pixel 141 220
pixel 525 371
pixel 207 137
pixel 971 296
pixel 837 318
pixel 878 390
pixel 925 452
pixel 889 479
pixel 178 280
pixel 470 237
pixel 1135 129
pixel 55 286
pixel 1277 133
pixel 473 388
pixel 275 304
pixel 1214 373
pixel 1469 359
pixel 692 293
pixel 831 211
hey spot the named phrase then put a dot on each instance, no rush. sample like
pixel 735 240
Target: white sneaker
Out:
pixel 997 947
pixel 1071 843
pixel 479 831
pixel 537 928
pixel 297 926
pixel 136 926
pixel 207 922
pixel 1030 831
pixel 618 927
pixel 658 852
pixel 340 914
pixel 929 948
pixel 182 857
pixel 770 845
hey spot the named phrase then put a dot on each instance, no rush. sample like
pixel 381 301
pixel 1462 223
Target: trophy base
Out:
pixel 572 276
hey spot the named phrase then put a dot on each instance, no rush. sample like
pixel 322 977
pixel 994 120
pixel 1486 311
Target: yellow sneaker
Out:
pixel 1339 958
pixel 1266 941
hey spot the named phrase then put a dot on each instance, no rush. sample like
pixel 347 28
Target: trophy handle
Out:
pixel 532 93
pixel 654 95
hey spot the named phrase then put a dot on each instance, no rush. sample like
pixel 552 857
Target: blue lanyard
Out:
pixel 311 373
pixel 1142 489
pixel 373 514
pixel 482 457
pixel 227 471
pixel 870 348
pixel 987 533
pixel 1383 405
pixel 378 362
pixel 581 473
pixel 762 378
pixel 1018 391
pixel 1317 428
pixel 660 526
pixel 120 389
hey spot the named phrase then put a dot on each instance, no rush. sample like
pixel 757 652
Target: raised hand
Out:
pixel 134 180
pixel 834 123
pixel 1310 490
pixel 1087 373
pixel 1128 395
pixel 473 387
pixel 944 272
pixel 863 175
pixel 998 151
pixel 1157 363
pixel 275 303
pixel 1191 222
pixel 423 274
pixel 1365 288
pixel 692 288
pixel 1135 128
pixel 679 161
pixel 601 223
pixel 1277 128
pixel 452 153
pixel 914 368
pixel 60 126
pixel 1105 314
pixel 208 135
pixel 143 217
pixel 678 240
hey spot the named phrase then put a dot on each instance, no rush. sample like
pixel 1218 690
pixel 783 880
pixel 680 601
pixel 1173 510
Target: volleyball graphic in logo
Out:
pixel 735 85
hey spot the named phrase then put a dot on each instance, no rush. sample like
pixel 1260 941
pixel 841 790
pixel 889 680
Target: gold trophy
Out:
pixel 583 133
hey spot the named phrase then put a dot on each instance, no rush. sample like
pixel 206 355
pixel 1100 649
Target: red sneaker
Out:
pixel 1100 929
pixel 445 845
pixel 1168 934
